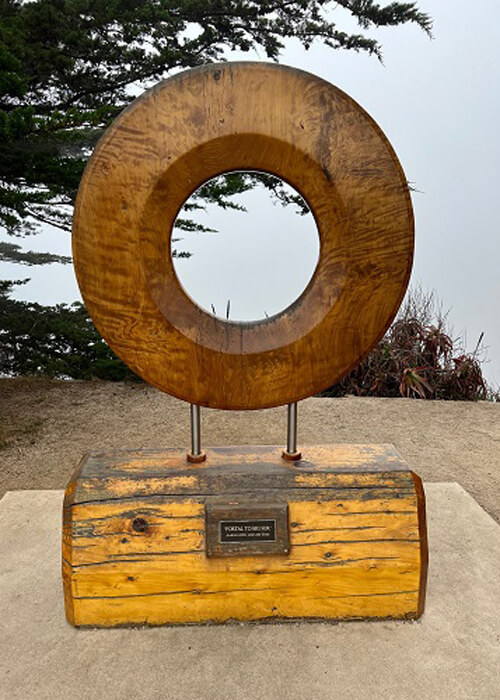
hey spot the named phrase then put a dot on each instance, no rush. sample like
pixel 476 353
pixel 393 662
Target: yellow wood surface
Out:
pixel 351 556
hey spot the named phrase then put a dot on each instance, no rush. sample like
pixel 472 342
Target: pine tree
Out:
pixel 68 67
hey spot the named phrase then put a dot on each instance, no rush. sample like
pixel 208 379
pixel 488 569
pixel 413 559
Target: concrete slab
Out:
pixel 452 652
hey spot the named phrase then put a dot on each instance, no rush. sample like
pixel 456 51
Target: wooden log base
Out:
pixel 134 537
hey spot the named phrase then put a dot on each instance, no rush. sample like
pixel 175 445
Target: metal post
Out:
pixel 196 455
pixel 291 452
pixel 291 438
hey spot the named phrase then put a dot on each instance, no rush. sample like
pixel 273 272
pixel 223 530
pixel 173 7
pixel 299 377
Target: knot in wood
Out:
pixel 140 525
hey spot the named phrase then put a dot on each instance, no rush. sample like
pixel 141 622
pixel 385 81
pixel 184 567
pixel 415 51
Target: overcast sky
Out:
pixel 439 104
pixel 260 259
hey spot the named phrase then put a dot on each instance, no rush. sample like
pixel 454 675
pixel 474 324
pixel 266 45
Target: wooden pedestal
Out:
pixel 134 537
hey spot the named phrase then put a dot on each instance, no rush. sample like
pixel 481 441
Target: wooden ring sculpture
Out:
pixel 243 116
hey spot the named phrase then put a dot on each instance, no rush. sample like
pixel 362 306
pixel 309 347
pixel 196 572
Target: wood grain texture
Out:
pixel 357 537
pixel 241 116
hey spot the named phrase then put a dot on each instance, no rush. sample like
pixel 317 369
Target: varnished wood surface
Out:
pixel 134 540
pixel 240 116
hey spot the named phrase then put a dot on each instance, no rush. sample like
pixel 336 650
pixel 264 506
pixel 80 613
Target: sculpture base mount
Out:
pixel 149 538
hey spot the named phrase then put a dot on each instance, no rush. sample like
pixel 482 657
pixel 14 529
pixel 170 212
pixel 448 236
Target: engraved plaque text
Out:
pixel 257 530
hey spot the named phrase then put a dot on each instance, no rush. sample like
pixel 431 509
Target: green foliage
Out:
pixel 10 252
pixel 68 67
pixel 54 341
pixel 419 358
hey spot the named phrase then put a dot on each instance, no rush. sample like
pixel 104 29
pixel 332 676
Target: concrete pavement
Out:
pixel 453 651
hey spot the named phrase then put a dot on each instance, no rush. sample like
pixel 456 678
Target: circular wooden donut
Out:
pixel 242 116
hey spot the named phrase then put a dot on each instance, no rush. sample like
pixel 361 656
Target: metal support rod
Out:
pixel 196 454
pixel 195 429
pixel 291 437
pixel 291 452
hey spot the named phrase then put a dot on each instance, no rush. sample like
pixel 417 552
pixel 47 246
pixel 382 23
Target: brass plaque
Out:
pixel 245 529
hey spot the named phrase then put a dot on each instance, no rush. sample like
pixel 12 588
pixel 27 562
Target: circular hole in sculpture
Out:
pixel 245 246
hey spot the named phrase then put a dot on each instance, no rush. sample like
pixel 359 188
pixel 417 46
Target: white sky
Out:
pixel 439 104
pixel 261 260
